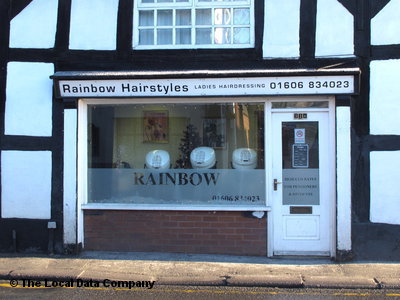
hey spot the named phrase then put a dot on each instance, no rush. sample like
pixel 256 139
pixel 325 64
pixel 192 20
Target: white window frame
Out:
pixel 83 159
pixel 82 147
pixel 193 5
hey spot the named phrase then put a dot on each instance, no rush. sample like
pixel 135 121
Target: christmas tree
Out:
pixel 191 139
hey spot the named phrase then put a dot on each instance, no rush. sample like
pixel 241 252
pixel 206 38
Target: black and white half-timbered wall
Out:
pixel 244 127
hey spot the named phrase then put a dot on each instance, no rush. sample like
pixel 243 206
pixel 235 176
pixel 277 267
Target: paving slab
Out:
pixel 376 268
pixel 190 280
pixel 281 281
pixel 339 282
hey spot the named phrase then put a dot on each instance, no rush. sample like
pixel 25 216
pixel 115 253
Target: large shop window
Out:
pixel 193 24
pixel 179 154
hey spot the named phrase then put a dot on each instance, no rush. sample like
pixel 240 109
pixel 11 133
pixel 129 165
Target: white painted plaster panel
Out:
pixel 29 99
pixel 343 178
pixel 385 187
pixel 35 26
pixel 385 97
pixel 70 161
pixel 93 25
pixel 281 29
pixel 385 26
pixel 26 184
pixel 335 29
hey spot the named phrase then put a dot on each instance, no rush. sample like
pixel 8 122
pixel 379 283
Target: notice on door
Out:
pixel 299 135
pixel 300 186
pixel 300 155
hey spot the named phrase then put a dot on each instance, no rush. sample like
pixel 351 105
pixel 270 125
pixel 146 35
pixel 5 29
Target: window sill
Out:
pixel 120 206
pixel 194 47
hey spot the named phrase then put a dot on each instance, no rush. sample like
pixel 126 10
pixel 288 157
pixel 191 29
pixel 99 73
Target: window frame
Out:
pixel 82 178
pixel 192 5
pixel 82 147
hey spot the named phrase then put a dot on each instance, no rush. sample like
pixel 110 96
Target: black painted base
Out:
pixel 72 249
pixel 377 242
pixel 344 256
pixel 30 236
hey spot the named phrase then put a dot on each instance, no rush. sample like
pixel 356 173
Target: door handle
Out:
pixel 276 182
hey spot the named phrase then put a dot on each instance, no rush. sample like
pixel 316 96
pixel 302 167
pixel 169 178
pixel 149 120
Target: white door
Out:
pixel 302 185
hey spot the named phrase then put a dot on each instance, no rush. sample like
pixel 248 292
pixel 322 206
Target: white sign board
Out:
pixel 299 135
pixel 287 85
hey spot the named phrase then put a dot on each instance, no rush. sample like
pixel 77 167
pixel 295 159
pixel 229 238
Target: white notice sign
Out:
pixel 299 135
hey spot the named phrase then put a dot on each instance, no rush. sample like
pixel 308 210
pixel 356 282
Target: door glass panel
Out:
pixel 300 163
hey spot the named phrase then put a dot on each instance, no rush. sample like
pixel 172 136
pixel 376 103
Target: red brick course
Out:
pixel 233 233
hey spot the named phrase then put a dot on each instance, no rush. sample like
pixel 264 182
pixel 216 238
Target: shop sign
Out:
pixel 286 85
pixel 177 186
pixel 300 186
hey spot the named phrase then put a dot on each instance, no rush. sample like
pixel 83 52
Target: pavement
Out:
pixel 210 270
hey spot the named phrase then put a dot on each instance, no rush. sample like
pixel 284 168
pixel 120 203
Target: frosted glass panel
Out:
pixel 222 16
pixel 164 36
pixel 222 35
pixel 203 36
pixel 164 17
pixel 146 36
pixel 203 16
pixel 183 17
pixel 176 186
pixel 146 18
pixel 241 35
pixel 183 36
pixel 241 16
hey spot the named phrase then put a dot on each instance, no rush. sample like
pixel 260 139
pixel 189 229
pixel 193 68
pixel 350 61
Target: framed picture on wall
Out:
pixel 155 126
pixel 214 133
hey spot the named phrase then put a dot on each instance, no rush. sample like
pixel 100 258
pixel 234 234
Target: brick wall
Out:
pixel 235 233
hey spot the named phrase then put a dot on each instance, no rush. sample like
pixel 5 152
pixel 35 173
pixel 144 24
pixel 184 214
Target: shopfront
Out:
pixel 200 126
pixel 212 164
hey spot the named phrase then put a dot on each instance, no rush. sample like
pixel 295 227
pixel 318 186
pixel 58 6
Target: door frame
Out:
pixel 331 160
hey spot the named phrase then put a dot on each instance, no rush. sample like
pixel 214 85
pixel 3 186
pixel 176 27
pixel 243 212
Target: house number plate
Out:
pixel 298 116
